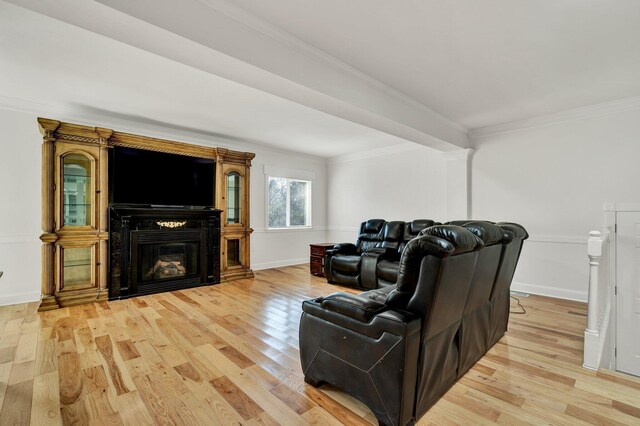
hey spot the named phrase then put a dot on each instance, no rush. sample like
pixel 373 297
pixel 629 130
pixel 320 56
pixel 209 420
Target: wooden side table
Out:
pixel 317 257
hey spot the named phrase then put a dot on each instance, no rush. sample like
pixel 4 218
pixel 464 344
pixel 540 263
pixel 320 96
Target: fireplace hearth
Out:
pixel 155 249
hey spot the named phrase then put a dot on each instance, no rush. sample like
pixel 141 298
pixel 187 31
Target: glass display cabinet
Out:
pixel 233 199
pixel 234 208
pixel 74 190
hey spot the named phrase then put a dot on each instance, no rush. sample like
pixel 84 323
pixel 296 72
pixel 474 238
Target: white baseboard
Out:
pixel 14 299
pixel 279 263
pixel 543 290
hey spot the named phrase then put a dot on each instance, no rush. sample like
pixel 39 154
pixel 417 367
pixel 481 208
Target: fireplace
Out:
pixel 156 249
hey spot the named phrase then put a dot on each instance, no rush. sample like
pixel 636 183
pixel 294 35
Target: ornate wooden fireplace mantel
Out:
pixel 75 228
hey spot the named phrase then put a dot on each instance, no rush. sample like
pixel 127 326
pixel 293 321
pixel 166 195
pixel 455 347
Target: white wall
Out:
pixel 554 180
pixel 20 213
pixel 399 183
pixel 273 248
pixel 20 207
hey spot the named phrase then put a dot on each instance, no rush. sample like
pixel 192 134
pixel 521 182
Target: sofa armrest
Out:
pixel 343 248
pixel 383 252
pixel 354 306
pixel 397 322
pixel 376 361
pixel 368 267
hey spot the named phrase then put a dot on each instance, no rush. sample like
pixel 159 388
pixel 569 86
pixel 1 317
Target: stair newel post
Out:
pixel 594 251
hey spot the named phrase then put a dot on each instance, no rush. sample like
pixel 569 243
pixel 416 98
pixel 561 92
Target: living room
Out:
pixel 519 112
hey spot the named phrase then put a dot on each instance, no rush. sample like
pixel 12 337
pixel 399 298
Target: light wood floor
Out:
pixel 228 354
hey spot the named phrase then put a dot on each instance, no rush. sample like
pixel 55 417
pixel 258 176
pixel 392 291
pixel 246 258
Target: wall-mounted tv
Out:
pixel 139 176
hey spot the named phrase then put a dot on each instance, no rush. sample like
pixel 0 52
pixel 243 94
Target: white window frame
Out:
pixel 290 174
pixel 288 204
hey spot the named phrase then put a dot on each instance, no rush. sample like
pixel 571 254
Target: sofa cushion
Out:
pixel 388 270
pixel 355 306
pixel 379 294
pixel 347 264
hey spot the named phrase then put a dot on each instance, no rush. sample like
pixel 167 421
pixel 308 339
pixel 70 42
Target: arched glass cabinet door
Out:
pixel 234 181
pixel 77 200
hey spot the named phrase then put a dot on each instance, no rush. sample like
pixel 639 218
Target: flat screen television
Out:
pixel 139 176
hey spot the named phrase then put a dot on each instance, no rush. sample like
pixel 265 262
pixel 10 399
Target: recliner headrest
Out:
pixel 465 221
pixel 415 226
pixel 393 231
pixel 489 233
pixel 518 230
pixel 458 237
pixel 372 226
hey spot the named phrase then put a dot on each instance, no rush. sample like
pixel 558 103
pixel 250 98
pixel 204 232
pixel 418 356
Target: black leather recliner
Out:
pixel 501 293
pixel 344 260
pixel 387 267
pixel 400 356
pixel 490 323
pixel 379 254
pixel 475 327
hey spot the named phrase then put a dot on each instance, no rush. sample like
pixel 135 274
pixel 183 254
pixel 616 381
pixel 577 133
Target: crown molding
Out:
pixel 377 152
pixel 613 107
pixel 460 154
pixel 150 129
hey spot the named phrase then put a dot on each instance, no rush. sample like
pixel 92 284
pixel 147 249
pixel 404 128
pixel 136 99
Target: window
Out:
pixel 288 202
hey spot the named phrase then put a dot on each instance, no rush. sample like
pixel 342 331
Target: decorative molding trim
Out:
pixel 14 299
pixel 613 107
pixel 621 207
pixel 550 291
pixel 343 229
pixel 129 125
pixel 287 230
pixel 458 154
pixel 280 263
pixel 560 239
pixel 83 139
pixel 20 239
pixel 377 152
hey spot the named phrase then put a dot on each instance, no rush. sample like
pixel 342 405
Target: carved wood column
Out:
pixel 48 237
pixel 102 203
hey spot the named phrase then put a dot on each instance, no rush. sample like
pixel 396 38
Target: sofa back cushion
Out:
pixel 412 229
pixel 370 234
pixel 509 257
pixel 392 235
pixel 419 266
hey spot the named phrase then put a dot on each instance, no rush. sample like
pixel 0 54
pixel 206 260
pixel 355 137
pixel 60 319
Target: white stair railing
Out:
pixel 600 286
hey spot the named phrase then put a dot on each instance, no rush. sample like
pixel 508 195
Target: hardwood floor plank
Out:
pixel 16 408
pixel 45 409
pixel 228 354
pixel 70 379
pixel 105 348
pixel 239 400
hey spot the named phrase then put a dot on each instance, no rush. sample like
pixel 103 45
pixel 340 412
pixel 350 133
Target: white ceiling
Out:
pixel 52 63
pixel 479 63
pixel 321 77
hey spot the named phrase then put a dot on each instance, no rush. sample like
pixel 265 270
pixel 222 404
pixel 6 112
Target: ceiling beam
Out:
pixel 219 38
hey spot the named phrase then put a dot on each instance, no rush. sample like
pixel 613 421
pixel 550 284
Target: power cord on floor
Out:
pixel 524 311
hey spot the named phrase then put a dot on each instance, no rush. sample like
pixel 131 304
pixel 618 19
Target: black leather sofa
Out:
pixel 398 349
pixel 372 262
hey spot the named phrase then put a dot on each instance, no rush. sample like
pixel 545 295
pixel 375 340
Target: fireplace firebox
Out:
pixel 154 249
